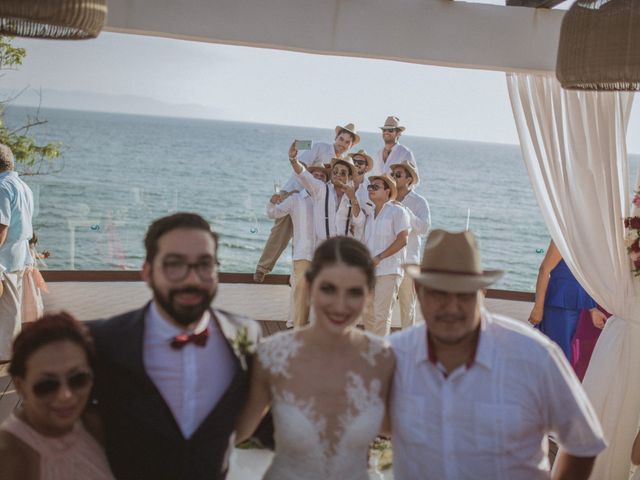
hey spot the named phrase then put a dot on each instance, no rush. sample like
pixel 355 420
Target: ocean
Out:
pixel 119 172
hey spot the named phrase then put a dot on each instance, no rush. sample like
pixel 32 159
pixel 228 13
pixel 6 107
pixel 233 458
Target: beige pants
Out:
pixel 377 315
pixel 299 305
pixel 10 311
pixel 407 301
pixel 281 233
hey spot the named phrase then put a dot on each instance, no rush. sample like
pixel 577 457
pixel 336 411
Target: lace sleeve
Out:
pixel 275 352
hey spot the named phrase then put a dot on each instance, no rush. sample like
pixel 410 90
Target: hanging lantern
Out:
pixel 599 46
pixel 56 19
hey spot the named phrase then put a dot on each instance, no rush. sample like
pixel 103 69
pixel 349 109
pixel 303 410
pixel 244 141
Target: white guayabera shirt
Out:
pixel 300 207
pixel 489 419
pixel 399 153
pixel 381 231
pixel 420 216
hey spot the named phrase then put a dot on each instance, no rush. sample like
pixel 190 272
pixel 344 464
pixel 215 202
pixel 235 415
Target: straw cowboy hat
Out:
pixel 389 180
pixel 324 168
pixel 411 169
pixel 345 161
pixel 451 263
pixel 351 128
pixel 392 122
pixel 364 154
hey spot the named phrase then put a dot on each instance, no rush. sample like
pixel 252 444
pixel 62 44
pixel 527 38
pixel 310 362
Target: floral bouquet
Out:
pixel 632 224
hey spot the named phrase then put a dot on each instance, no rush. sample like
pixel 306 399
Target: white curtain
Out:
pixel 574 149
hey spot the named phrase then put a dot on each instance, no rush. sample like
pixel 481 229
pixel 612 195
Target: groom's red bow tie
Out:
pixel 199 339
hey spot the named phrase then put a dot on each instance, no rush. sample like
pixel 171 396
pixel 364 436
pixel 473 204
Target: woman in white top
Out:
pixel 327 383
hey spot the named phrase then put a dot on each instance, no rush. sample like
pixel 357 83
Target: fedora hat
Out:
pixel 451 263
pixel 392 122
pixel 345 161
pixel 411 169
pixel 351 128
pixel 319 167
pixel 364 154
pixel 389 181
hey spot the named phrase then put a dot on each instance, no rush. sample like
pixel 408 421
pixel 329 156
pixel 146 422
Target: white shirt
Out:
pixel 420 217
pixel 192 379
pixel 362 194
pixel 300 207
pixel 16 212
pixel 338 212
pixel 399 153
pixel 320 153
pixel 491 420
pixel 381 231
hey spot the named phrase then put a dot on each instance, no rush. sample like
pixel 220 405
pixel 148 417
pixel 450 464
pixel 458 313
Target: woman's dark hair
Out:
pixel 345 250
pixel 51 328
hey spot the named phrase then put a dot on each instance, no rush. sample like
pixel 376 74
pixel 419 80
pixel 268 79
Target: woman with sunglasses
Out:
pixel 45 437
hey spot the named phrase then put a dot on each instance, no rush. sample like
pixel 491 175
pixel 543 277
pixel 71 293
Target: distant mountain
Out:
pixel 100 102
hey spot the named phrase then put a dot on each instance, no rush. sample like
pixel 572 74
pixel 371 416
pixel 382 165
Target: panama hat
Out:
pixel 451 263
pixel 351 128
pixel 320 167
pixel 389 180
pixel 411 170
pixel 364 154
pixel 392 122
pixel 345 161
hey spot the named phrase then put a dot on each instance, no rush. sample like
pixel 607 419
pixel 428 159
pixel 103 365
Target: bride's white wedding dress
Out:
pixel 324 422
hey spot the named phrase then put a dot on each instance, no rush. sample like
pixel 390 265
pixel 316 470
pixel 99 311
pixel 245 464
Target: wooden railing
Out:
pixel 225 277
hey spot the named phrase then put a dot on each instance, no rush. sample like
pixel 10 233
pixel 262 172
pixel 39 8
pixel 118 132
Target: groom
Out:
pixel 171 377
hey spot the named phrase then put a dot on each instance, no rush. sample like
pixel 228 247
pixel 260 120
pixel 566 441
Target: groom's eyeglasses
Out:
pixel 176 270
pixel 50 386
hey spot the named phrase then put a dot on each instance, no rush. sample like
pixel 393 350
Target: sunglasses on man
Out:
pixel 50 386
pixel 375 187
pixel 400 175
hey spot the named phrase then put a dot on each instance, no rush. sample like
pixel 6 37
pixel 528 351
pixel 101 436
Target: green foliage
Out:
pixel 31 156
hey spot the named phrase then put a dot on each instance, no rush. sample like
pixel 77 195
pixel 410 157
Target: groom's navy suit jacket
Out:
pixel 143 440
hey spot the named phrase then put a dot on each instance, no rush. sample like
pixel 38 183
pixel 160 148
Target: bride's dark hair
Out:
pixel 345 250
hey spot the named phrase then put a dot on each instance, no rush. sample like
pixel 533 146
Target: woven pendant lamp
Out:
pixel 599 46
pixel 57 19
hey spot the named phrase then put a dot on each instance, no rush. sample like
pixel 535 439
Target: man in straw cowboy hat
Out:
pixel 299 206
pixel 406 176
pixel 320 153
pixel 475 395
pixel 335 207
pixel 392 151
pixel 385 234
pixel 364 164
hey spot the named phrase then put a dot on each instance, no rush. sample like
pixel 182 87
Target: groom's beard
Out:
pixel 184 314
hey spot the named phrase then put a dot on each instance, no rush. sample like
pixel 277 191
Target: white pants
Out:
pixel 377 315
pixel 407 301
pixel 10 311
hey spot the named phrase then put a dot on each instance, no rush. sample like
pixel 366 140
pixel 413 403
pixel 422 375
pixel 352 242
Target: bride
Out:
pixel 328 383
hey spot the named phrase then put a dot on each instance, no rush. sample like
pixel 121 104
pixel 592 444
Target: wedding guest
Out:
pixel 392 151
pixel 559 300
pixel 320 154
pixel 45 438
pixel 16 212
pixel 299 206
pixel 327 383
pixel 476 395
pixel 335 206
pixel 407 179
pixel 364 164
pixel 385 234
pixel 172 377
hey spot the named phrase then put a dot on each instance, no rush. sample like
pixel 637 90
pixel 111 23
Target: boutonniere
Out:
pixel 242 345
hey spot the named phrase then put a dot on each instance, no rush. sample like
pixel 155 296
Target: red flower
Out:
pixel 632 222
pixel 635 246
pixel 636 263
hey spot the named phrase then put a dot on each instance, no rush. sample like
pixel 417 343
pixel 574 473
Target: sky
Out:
pixel 186 78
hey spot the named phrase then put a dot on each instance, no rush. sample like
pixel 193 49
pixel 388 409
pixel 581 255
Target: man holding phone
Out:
pixel 320 153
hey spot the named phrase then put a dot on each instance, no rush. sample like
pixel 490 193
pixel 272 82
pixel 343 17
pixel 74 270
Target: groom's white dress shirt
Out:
pixel 488 419
pixel 191 379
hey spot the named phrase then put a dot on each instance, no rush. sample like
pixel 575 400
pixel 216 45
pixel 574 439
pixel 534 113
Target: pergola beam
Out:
pixel 434 32
pixel 534 3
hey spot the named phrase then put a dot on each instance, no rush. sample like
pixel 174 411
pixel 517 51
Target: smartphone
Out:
pixel 303 144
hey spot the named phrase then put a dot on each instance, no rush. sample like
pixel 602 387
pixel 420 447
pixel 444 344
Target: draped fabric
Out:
pixel 574 149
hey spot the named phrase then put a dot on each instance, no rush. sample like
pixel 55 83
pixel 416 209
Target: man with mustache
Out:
pixel 476 395
pixel 172 377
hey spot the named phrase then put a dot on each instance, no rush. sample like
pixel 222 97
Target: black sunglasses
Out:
pixel 50 386
pixel 375 187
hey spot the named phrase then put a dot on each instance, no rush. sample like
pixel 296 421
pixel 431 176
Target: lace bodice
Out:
pixel 326 410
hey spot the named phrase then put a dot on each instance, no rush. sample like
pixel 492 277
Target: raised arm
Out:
pixel 551 260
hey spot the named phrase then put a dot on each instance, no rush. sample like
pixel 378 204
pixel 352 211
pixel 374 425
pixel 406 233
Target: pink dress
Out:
pixel 74 456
